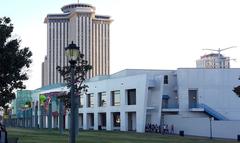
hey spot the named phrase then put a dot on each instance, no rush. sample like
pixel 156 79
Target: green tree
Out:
pixel 14 62
pixel 237 90
pixel 81 70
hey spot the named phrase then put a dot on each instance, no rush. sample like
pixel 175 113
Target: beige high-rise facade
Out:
pixel 213 60
pixel 80 24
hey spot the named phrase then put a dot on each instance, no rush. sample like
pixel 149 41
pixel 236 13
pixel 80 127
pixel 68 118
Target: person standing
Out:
pixel 167 131
pixel 164 129
pixel 172 129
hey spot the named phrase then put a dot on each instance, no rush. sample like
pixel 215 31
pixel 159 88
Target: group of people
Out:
pixel 162 129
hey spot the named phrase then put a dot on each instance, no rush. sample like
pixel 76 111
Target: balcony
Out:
pixel 170 108
pixel 151 108
pixel 151 83
pixel 194 107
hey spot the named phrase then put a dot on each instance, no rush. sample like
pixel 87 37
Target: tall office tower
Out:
pixel 80 24
pixel 213 61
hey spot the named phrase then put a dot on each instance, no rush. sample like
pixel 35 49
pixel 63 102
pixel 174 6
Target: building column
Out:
pixel 36 117
pixel 27 118
pixel 85 121
pixel 67 120
pixel 31 117
pixel 18 122
pixel 141 113
pixel 53 122
pixel 140 122
pixel 123 123
pixel 50 116
pixel 24 118
pixel 61 116
pixel 109 121
pixel 96 121
pixel 41 117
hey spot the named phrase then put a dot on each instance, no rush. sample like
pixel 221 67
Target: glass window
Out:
pixel 81 101
pixel 131 97
pixel 165 79
pixel 91 119
pixel 115 95
pixel 116 119
pixel 102 99
pixel 90 101
pixel 192 98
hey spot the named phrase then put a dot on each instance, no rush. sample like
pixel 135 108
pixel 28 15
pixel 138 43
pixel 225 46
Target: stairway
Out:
pixel 212 112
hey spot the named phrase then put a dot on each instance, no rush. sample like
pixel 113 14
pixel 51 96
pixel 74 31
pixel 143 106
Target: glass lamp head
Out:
pixel 72 52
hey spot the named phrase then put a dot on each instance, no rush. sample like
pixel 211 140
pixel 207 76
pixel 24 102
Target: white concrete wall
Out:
pixel 201 126
pixel 226 129
pixel 190 126
pixel 214 89
pixel 149 89
pixel 133 82
pixel 154 99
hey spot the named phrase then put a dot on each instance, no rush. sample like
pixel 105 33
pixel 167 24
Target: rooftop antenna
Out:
pixel 219 52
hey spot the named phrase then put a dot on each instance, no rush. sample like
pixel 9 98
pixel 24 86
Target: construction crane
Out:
pixel 219 53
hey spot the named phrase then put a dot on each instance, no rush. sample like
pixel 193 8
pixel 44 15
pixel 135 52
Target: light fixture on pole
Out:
pixel 72 52
pixel 211 119
pixel 74 75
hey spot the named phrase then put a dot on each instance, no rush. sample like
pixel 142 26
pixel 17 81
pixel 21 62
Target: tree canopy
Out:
pixel 237 90
pixel 80 72
pixel 14 62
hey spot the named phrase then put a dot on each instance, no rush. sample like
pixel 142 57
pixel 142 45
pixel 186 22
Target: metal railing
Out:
pixel 170 106
pixel 212 112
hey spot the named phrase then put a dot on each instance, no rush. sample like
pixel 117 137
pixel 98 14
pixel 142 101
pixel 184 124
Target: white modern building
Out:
pixel 213 60
pixel 205 93
pixel 89 31
pixel 125 101
pixel 188 98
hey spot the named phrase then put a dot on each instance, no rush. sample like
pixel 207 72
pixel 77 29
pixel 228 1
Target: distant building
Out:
pixel 80 24
pixel 213 61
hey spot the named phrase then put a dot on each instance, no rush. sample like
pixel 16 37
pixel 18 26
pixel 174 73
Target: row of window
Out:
pixel 103 119
pixel 115 98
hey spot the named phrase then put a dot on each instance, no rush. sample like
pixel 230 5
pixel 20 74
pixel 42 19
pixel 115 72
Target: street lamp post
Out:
pixel 72 52
pixel 61 116
pixel 75 75
pixel 210 119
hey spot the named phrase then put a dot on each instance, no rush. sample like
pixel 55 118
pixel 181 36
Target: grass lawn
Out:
pixel 46 136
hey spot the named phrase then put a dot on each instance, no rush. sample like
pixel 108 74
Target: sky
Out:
pixel 145 34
